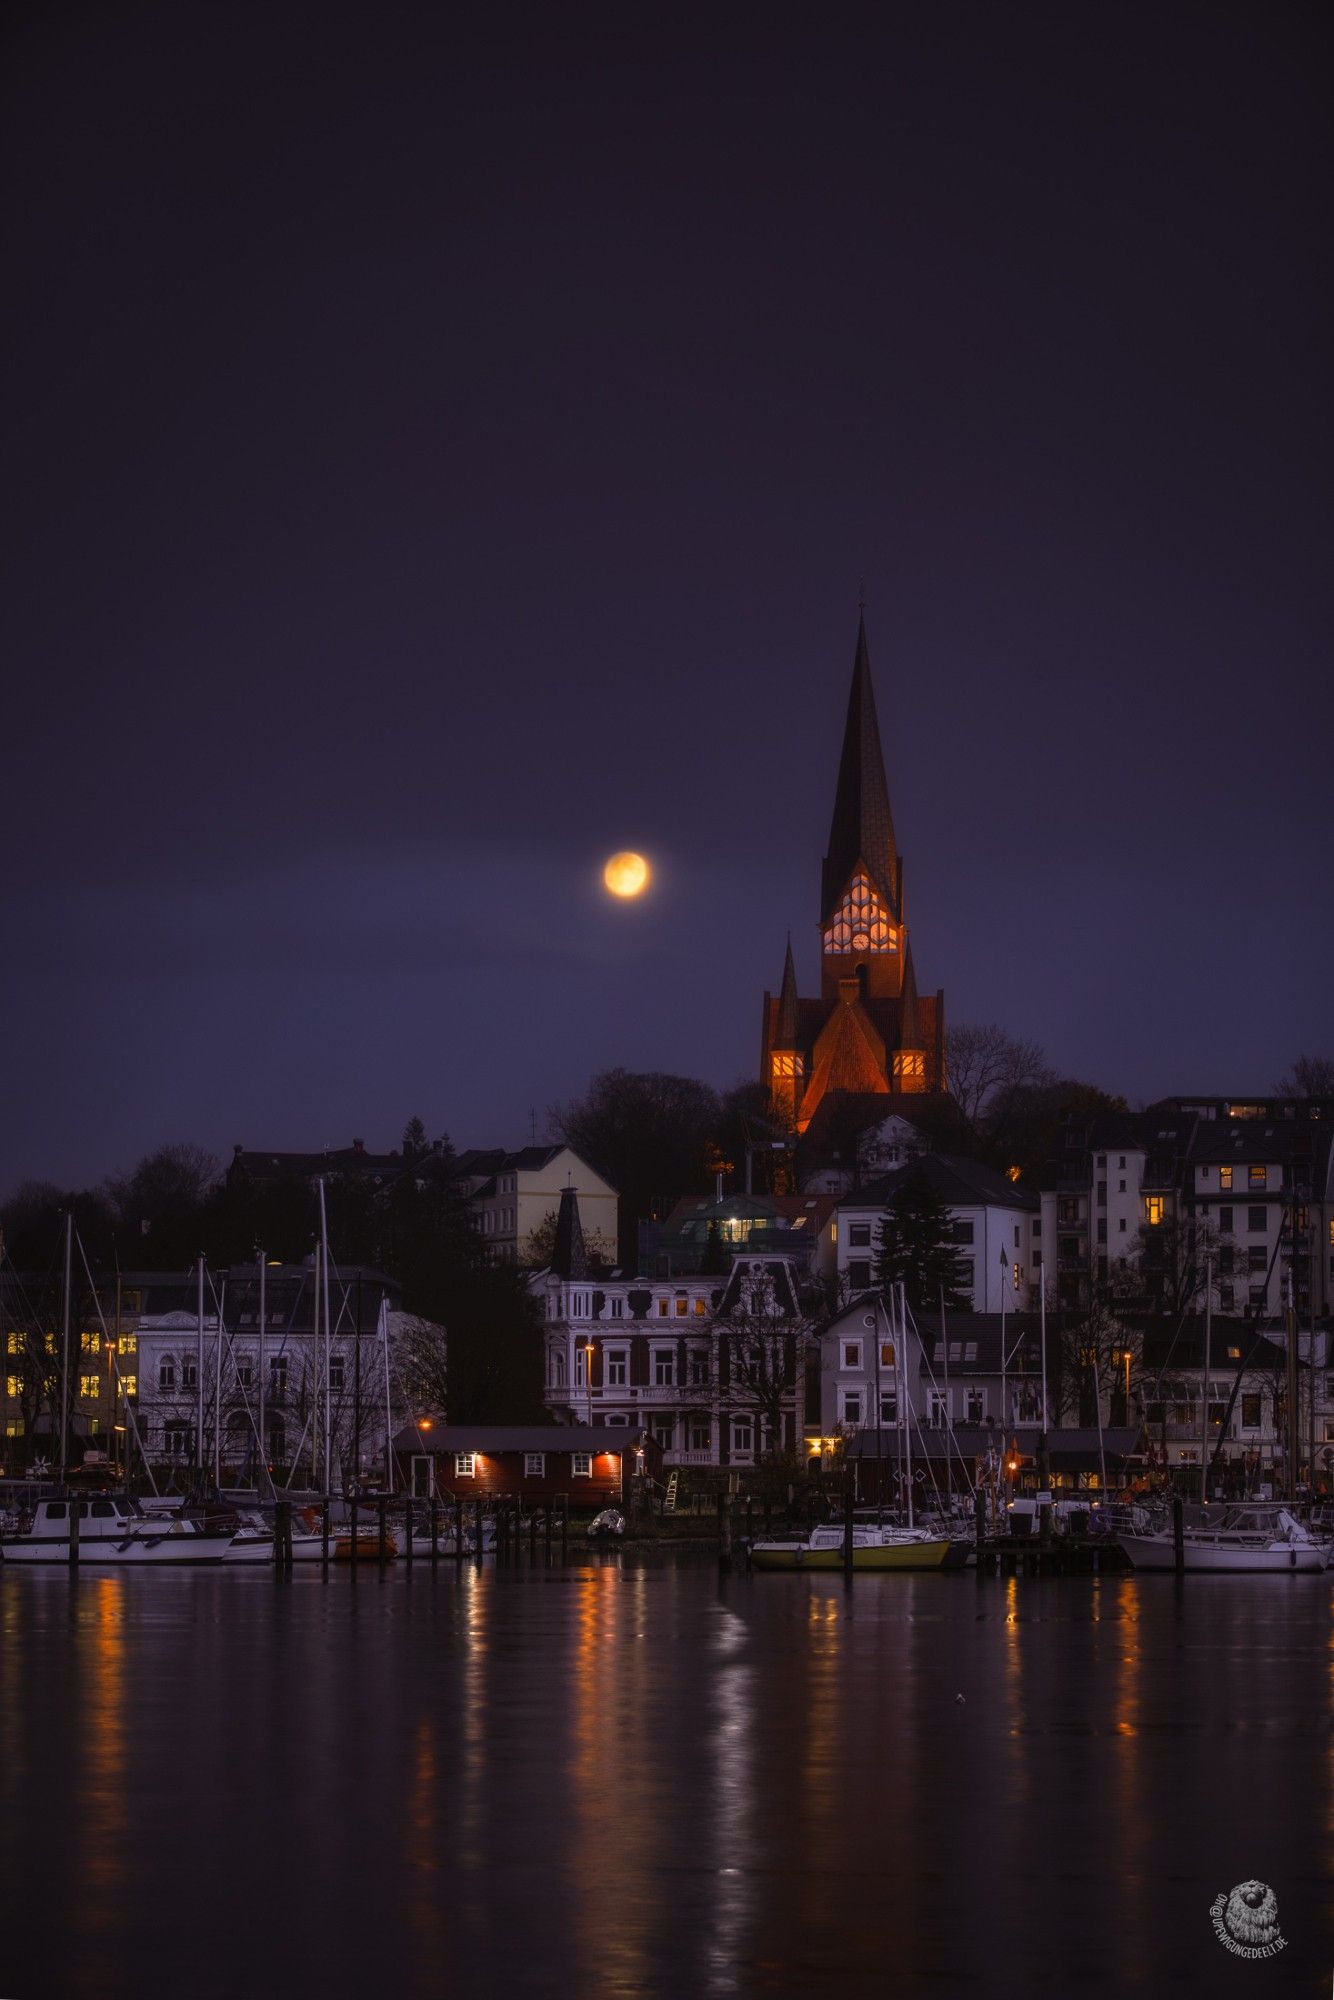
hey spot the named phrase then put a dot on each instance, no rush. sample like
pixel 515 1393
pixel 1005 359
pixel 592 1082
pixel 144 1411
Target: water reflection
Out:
pixel 622 1779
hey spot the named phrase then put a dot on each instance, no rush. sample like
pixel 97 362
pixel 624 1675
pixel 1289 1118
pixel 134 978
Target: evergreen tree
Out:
pixel 915 1248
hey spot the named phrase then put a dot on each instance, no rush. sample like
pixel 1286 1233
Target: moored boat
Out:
pixel 1231 1539
pixel 111 1530
pixel 873 1548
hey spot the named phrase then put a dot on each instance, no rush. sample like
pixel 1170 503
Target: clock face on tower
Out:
pixel 861 922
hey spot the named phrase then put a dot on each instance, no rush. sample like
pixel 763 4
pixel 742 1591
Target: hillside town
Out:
pixel 895 1226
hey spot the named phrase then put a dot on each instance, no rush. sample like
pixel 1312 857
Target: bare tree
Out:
pixel 420 1360
pixel 540 1243
pixel 1310 1076
pixel 767 1343
pixel 982 1062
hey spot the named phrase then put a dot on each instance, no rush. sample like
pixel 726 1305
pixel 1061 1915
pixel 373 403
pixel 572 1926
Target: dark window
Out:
pixel 962 1232
pixel 859 1274
pixel 1256 1219
pixel 859 1235
pixel 1225 1220
pixel 1250 1413
pixel 1256 1257
pixel 336 1373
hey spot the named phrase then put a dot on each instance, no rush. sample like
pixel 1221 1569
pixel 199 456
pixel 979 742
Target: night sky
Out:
pixel 442 450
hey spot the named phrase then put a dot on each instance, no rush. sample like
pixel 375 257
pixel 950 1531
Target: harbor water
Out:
pixel 626 1775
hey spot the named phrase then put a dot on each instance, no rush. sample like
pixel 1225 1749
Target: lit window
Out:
pixel 886 1354
pixel 127 1344
pixel 130 1384
pixel 861 921
pixel 89 1343
pixel 90 1386
pixel 1225 1178
pixel 852 1354
pixel 664 1308
pixel 909 1064
pixel 581 1464
pixel 701 1307
pixel 15 1342
pixel 13 1385
pixel 14 1427
pixel 682 1308
pixel 465 1465
pixel 534 1465
pixel 1153 1210
pixel 786 1068
pixel 1257 1177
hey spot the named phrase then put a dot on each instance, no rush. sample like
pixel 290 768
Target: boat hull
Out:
pixel 1157 1552
pixel 102 1552
pixel 884 1556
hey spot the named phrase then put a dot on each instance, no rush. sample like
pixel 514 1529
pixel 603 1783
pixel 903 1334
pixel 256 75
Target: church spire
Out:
pixel 569 1259
pixel 862 828
pixel 786 1036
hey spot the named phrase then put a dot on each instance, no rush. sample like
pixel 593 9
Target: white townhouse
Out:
pixel 997 1230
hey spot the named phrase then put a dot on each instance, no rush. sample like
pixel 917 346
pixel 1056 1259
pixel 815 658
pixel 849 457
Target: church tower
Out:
pixel 869 1034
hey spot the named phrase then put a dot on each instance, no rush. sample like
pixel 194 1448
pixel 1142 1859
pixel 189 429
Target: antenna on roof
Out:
pixel 532 1124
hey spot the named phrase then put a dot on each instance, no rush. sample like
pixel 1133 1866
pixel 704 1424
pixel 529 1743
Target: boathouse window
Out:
pixel 664 1371
pixel 1257 1177
pixel 1225 1179
pixel 465 1464
pixel 616 1368
pixel 336 1372
pixel 581 1464
pixel 859 1235
pixel 1250 1413
pixel 534 1465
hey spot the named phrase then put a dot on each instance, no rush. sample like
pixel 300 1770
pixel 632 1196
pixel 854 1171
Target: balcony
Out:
pixel 693 1458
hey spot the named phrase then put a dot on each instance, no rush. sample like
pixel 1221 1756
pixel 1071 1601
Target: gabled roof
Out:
pixel 958 1183
pixel 497 1438
pixel 862 828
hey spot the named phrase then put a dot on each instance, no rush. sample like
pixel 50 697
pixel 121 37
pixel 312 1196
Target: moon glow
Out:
pixel 626 874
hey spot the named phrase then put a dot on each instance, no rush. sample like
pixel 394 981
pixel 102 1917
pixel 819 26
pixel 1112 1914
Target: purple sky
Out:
pixel 439 455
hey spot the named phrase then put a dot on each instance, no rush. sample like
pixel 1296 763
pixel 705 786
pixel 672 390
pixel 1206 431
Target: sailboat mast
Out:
pixel 1204 1390
pixel 220 1303
pixel 388 1416
pixel 199 1373
pixel 907 1400
pixel 263 1445
pixel 64 1346
pixel 328 1331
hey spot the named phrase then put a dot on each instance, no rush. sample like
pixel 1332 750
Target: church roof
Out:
pixel 862 828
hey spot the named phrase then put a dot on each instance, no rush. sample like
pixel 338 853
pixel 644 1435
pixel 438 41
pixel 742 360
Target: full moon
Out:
pixel 626 874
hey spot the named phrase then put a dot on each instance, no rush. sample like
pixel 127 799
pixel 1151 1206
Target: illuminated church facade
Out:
pixel 870 1034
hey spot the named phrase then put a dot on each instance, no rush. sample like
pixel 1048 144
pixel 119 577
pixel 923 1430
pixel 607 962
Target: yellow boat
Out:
pixel 872 1549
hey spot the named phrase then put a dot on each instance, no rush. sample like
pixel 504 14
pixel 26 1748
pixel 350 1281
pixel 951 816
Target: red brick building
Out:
pixel 590 1465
